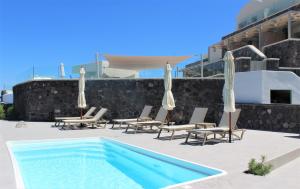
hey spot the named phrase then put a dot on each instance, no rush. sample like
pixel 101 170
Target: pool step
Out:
pixel 284 159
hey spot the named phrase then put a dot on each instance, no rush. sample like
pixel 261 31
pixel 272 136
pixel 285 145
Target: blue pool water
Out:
pixel 99 164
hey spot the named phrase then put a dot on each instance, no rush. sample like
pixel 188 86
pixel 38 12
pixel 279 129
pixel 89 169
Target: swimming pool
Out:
pixel 99 163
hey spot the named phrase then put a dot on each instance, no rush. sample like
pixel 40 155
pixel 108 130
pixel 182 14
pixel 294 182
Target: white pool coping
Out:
pixel 20 182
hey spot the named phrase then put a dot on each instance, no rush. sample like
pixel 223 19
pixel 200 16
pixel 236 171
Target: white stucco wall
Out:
pixel 255 86
pixel 248 87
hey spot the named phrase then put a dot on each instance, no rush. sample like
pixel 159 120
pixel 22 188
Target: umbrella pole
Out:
pixel 81 117
pixel 230 131
pixel 168 118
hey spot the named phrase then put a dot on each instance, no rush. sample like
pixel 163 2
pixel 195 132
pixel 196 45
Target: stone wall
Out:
pixel 274 117
pixel 125 98
pixel 41 100
pixel 287 51
pixel 272 64
pixel 271 117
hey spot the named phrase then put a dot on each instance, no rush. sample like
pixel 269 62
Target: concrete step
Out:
pixel 284 159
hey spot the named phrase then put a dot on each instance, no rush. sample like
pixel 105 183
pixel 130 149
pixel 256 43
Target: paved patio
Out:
pixel 233 158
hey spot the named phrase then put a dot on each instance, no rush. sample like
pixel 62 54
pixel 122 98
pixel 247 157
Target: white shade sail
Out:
pixel 81 95
pixel 143 62
pixel 228 90
pixel 168 102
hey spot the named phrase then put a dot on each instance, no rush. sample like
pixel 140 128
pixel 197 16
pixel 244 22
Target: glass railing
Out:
pixel 267 8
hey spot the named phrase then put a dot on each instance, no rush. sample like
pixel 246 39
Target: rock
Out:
pixel 285 125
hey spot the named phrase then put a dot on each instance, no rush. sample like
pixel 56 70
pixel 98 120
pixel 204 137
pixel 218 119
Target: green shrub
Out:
pixel 2 114
pixel 10 113
pixel 259 168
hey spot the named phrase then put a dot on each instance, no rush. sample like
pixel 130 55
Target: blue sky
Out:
pixel 44 33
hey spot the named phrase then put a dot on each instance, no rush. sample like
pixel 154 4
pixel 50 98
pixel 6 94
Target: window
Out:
pixel 281 96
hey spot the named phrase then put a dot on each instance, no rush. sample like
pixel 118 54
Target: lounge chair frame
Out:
pixel 158 121
pixel 95 121
pixel 198 116
pixel 87 115
pixel 222 130
pixel 144 116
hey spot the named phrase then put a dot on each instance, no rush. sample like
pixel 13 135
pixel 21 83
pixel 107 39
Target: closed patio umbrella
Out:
pixel 81 95
pixel 62 70
pixel 168 102
pixel 228 90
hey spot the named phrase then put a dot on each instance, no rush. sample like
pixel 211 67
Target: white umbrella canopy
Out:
pixel 228 92
pixel 81 95
pixel 62 70
pixel 168 102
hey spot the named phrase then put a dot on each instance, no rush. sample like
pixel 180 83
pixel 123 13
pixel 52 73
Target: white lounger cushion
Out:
pixel 178 127
pixel 70 118
pixel 86 115
pixel 96 118
pixel 159 120
pixel 145 123
pixel 80 121
pixel 124 120
pixel 197 117
pixel 216 129
pixel 223 125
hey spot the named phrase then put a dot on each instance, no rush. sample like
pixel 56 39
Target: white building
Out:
pixel 268 33
pixel 257 10
pixel 7 97
pixel 267 87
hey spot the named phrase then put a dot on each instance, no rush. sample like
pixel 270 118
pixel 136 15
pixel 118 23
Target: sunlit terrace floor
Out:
pixel 233 158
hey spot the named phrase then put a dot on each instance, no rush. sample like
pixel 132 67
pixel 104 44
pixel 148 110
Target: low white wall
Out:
pixel 255 86
pixel 248 87
pixel 8 99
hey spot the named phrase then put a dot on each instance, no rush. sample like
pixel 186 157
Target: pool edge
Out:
pixel 17 173
pixel 20 182
pixel 222 172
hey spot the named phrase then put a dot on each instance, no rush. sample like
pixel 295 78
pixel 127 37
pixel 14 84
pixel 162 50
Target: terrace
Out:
pixel 267 98
pixel 233 158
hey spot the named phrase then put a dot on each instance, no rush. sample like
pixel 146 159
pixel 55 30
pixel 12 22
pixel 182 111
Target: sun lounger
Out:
pixel 143 117
pixel 221 130
pixel 96 120
pixel 197 117
pixel 87 115
pixel 158 121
